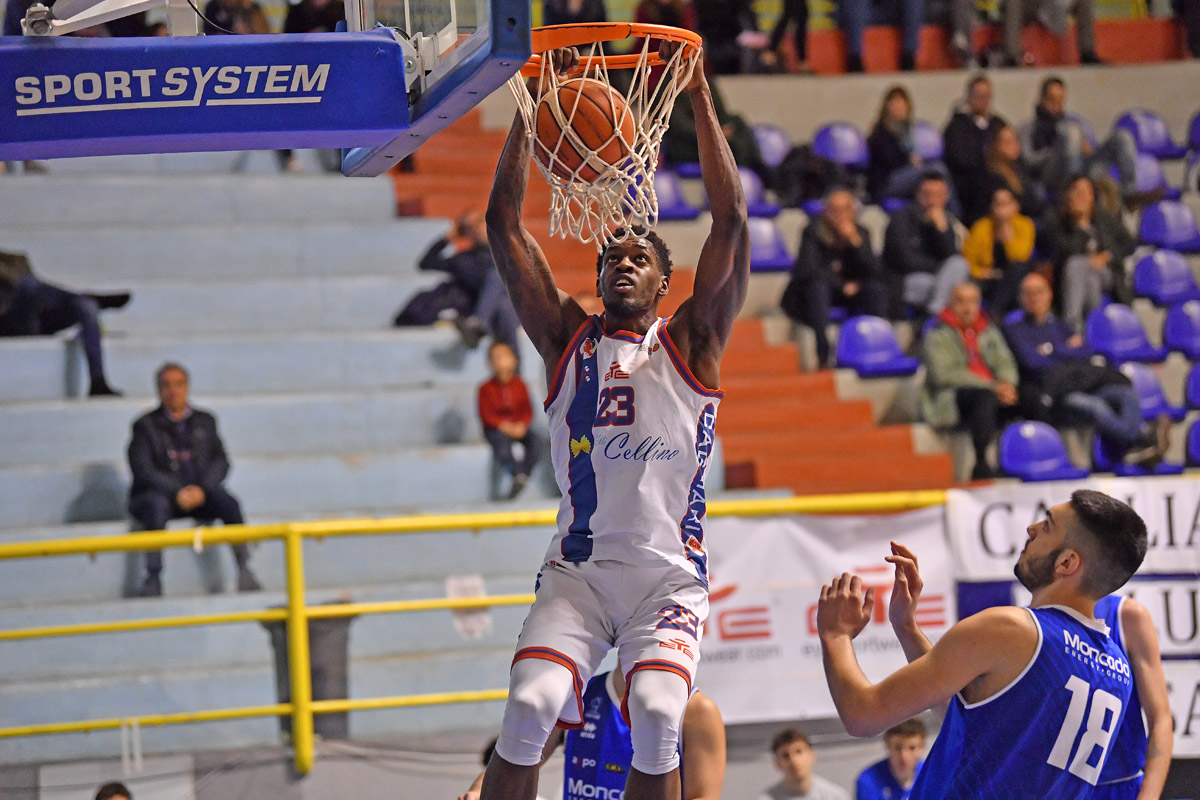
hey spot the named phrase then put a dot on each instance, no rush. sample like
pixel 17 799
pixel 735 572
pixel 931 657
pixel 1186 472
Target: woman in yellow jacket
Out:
pixel 999 249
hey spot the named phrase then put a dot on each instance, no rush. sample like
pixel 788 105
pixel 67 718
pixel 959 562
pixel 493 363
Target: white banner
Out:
pixel 986 527
pixel 761 656
pixel 1183 688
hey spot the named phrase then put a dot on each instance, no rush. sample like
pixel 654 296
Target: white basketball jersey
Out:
pixel 631 433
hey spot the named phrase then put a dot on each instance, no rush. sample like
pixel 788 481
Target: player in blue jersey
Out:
pixel 892 778
pixel 1140 756
pixel 631 411
pixel 598 755
pixel 1036 694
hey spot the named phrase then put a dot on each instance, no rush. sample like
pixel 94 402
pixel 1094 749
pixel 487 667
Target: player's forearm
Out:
pixel 717 167
pixel 913 640
pixel 848 686
pixel 512 175
pixel 1158 759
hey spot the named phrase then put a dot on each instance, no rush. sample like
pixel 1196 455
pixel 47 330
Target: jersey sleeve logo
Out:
pixel 581 445
pixel 588 347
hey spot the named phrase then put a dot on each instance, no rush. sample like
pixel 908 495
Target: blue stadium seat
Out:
pixel 1172 225
pixel 1116 333
pixel 768 251
pixel 1085 126
pixel 1150 393
pixel 1150 132
pixel 1191 389
pixel 868 346
pixel 1013 316
pixel 1148 177
pixel 757 204
pixel 812 207
pixel 843 144
pixel 1193 445
pixel 688 169
pixel 671 203
pixel 1165 278
pixel 891 205
pixel 1033 451
pixel 1106 457
pixel 1181 332
pixel 1194 133
pixel 773 144
pixel 928 141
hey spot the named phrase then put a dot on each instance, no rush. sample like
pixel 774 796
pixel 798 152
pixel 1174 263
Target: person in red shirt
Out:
pixel 505 411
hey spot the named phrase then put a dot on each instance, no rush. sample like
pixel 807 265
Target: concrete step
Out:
pixel 331 361
pixel 215 199
pixel 123 255
pixel 342 423
pixel 331 563
pixel 280 487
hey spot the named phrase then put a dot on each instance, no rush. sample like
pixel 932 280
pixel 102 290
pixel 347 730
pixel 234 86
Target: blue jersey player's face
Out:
pixel 1046 541
pixel 631 280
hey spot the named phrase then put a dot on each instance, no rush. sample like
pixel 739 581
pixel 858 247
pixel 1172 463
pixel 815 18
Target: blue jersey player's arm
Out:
pixel 1141 646
pixel 702 765
pixel 704 322
pixel 979 656
pixel 902 608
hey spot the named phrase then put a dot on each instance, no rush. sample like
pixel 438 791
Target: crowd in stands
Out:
pixel 889 779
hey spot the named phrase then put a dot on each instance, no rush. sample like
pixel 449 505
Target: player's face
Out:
pixel 903 753
pixel 630 277
pixel 1035 566
pixel 795 761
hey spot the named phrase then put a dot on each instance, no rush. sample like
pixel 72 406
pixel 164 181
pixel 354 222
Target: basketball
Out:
pixel 592 111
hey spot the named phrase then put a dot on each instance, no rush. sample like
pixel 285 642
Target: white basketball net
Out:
pixel 623 194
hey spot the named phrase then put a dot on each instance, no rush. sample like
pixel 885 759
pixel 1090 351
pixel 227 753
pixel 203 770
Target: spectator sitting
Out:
pixel 970 374
pixel 726 26
pixel 835 265
pixel 1007 170
pixel 895 168
pixel 970 128
pixel 892 778
pixel 1057 374
pixel 314 16
pixel 1188 13
pixel 793 14
pixel 1053 16
pixel 1056 147
pixel 114 791
pixel 999 249
pixel 563 12
pixel 179 467
pixel 853 17
pixel 505 412
pixel 1089 248
pixel 922 249
pixel 32 307
pixel 794 758
pixel 234 16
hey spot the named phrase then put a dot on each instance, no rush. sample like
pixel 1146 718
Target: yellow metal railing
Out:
pixel 297 613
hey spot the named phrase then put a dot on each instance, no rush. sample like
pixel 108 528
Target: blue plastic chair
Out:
pixel 768 251
pixel 891 205
pixel 1181 331
pixel 1033 451
pixel 843 144
pixel 1172 225
pixel 1013 316
pixel 773 143
pixel 1151 134
pixel 928 141
pixel 1194 133
pixel 1150 393
pixel 671 203
pixel 1165 278
pixel 1116 333
pixel 868 346
pixel 1148 177
pixel 755 193
pixel 689 170
pixel 1193 445
pixel 1106 457
pixel 1191 389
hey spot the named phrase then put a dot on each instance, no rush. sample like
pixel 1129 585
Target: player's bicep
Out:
pixel 722 278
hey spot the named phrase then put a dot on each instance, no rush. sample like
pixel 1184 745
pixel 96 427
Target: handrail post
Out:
pixel 299 668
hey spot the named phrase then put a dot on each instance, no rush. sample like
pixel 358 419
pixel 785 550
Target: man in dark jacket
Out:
pixel 922 250
pixel 835 265
pixel 965 140
pixel 1057 375
pixel 179 465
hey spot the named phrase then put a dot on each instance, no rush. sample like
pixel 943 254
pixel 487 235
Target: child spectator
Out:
pixel 998 249
pixel 505 412
pixel 892 778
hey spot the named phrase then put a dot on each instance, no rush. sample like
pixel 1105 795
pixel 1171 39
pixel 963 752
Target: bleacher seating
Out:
pixel 672 205
pixel 1106 457
pixel 1150 393
pixel 1193 444
pixel 1116 333
pixel 773 144
pixel 757 204
pixel 1170 224
pixel 1149 177
pixel 842 143
pixel 1150 132
pixel 1033 451
pixel 927 140
pixel 1165 278
pixel 1181 331
pixel 868 346
pixel 768 250
pixel 1191 388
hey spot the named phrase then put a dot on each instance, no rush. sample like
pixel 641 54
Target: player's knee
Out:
pixel 656 704
pixel 537 692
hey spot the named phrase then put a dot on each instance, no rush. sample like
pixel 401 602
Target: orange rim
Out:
pixel 552 37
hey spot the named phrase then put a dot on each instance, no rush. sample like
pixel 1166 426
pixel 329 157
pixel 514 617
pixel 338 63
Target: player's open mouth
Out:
pixel 622 285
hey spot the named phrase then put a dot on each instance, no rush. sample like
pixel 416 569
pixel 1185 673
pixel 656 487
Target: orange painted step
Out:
pixel 855 471
pixel 738 417
pixel 748 332
pixel 461 160
pixel 746 447
pixel 772 360
pixel 790 388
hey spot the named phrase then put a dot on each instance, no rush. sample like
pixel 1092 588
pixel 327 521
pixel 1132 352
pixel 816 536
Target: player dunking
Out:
pixel 632 406
pixel 1036 694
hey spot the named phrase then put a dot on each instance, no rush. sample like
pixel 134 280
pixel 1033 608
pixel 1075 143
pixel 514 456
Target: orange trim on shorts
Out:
pixel 555 657
pixel 665 666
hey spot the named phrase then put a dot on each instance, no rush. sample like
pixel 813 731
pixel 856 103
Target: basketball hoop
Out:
pixel 593 193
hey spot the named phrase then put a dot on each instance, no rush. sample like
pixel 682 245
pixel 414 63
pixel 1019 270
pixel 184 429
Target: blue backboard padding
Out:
pixel 66 96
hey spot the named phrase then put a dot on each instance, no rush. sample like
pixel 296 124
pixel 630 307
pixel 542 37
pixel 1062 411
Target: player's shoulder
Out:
pixel 998 620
